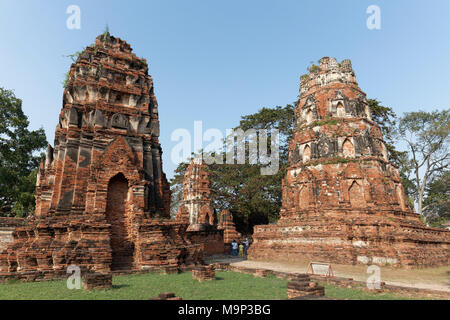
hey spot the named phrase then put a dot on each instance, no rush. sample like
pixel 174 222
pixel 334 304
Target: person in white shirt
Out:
pixel 234 248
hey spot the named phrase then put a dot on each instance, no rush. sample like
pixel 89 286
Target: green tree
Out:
pixel 427 137
pixel 176 188
pixel 18 157
pixel 251 197
pixel 436 207
pixel 386 119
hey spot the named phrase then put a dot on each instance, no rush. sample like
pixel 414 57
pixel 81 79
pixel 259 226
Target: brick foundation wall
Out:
pixel 211 241
pixel 352 239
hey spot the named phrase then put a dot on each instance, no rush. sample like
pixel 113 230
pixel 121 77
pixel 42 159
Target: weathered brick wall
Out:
pixel 343 201
pixel 7 226
pixel 211 240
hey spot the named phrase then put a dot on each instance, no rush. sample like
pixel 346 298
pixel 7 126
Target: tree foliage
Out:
pixel 18 157
pixel 251 197
pixel 427 137
pixel 386 119
pixel 437 200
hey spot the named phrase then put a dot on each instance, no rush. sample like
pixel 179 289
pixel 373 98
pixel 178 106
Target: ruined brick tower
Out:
pixel 343 201
pixel 197 207
pixel 197 210
pixel 102 199
pixel 108 129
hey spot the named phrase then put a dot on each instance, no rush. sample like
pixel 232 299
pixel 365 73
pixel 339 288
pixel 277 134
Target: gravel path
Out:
pixel 431 279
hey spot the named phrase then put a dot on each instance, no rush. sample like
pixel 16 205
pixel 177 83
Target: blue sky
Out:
pixel 218 60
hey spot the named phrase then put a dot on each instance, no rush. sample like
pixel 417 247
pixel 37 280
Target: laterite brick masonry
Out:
pixel 343 201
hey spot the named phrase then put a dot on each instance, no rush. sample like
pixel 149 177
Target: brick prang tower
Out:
pixel 343 201
pixel 108 125
pixel 196 207
pixel 102 198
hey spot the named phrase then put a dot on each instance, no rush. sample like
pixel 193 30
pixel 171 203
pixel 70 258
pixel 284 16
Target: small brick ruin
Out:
pixel 102 199
pixel 197 210
pixel 204 273
pixel 96 281
pixel 301 285
pixel 343 201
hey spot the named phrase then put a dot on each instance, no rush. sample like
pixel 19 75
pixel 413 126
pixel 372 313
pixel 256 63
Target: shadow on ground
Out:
pixel 119 286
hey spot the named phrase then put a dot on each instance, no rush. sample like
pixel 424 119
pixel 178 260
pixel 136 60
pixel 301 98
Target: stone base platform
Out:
pixel 46 247
pixel 365 238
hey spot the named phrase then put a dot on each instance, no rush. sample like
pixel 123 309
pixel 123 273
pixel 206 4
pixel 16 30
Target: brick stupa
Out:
pixel 343 201
pixel 102 199
pixel 196 208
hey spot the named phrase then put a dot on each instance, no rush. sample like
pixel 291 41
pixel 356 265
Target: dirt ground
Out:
pixel 428 278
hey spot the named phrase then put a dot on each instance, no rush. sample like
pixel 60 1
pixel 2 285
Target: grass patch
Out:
pixel 228 285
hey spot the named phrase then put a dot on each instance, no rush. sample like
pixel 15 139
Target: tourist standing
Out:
pixel 234 248
pixel 241 249
pixel 246 245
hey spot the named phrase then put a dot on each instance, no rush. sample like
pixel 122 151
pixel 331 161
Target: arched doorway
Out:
pixel 116 215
